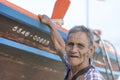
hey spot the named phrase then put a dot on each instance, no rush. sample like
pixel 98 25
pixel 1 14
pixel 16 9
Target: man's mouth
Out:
pixel 73 56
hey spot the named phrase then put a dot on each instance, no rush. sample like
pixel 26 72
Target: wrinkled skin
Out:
pixel 78 50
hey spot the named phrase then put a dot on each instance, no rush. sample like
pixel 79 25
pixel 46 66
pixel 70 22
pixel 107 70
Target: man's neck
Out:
pixel 75 69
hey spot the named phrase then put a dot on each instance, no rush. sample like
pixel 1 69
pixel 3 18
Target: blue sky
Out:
pixel 102 14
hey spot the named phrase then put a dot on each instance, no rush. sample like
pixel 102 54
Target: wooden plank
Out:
pixel 16 64
pixel 23 29
pixel 21 33
pixel 23 11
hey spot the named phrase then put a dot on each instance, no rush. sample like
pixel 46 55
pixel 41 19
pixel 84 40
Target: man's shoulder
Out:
pixel 93 74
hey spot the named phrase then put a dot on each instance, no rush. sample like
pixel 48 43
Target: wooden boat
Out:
pixel 27 51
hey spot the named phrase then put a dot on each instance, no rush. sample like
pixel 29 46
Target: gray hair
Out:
pixel 83 29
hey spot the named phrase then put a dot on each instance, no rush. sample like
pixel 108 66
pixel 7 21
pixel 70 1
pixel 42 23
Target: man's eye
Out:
pixel 70 44
pixel 80 46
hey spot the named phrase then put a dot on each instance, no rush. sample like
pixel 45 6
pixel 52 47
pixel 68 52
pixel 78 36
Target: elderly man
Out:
pixel 76 52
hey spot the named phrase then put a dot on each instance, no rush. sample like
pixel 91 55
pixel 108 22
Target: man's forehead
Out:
pixel 78 37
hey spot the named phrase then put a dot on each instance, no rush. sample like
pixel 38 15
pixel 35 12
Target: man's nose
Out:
pixel 74 49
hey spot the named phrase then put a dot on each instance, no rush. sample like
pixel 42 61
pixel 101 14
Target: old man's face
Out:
pixel 77 48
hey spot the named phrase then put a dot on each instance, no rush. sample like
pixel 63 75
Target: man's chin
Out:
pixel 73 63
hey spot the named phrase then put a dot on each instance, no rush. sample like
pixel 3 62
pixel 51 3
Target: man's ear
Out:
pixel 91 51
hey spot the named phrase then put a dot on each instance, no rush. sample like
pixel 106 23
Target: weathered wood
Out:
pixel 21 33
pixel 17 64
